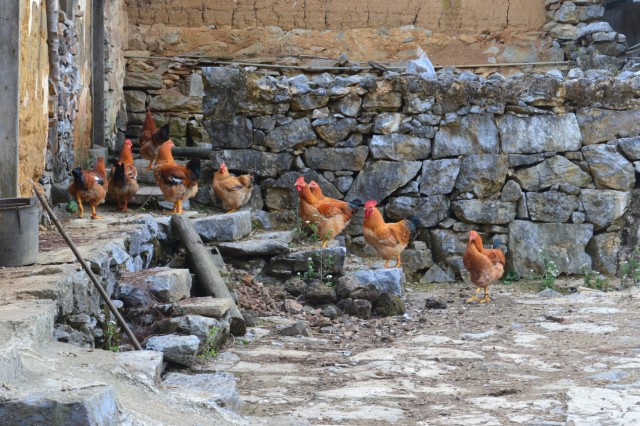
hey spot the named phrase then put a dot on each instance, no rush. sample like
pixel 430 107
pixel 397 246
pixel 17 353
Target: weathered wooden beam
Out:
pixel 192 152
pixel 9 97
pixel 201 260
pixel 97 72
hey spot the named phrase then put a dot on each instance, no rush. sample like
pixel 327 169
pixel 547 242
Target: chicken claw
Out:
pixel 475 297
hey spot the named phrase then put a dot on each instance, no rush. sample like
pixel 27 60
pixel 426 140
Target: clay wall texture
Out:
pixel 34 91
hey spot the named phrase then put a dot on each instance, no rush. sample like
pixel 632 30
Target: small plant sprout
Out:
pixel 550 273
pixel 594 279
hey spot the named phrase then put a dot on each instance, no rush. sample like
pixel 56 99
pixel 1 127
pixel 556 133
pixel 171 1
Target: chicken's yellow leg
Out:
pixel 324 243
pixel 149 166
pixel 398 262
pixel 386 264
pixel 232 210
pixel 486 295
pixel 474 297
pixel 94 214
pixel 179 207
pixel 80 207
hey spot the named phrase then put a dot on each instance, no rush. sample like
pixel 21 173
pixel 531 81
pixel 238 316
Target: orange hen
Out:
pixel 151 148
pixel 234 191
pixel 389 239
pixel 484 265
pixel 178 183
pixel 123 183
pixel 331 216
pixel 89 186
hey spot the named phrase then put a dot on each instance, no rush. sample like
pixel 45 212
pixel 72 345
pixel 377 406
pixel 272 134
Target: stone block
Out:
pixel 225 227
pixel 178 349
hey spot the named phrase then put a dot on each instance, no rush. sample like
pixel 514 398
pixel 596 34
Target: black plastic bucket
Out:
pixel 19 241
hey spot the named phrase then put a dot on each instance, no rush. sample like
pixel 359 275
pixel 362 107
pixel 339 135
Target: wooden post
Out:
pixel 97 73
pixel 9 97
pixel 206 271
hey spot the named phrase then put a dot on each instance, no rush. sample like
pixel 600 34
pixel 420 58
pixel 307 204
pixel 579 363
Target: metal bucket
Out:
pixel 19 241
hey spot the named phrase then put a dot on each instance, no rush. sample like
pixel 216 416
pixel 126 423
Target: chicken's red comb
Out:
pixel 127 142
pixel 472 235
pixel 222 165
pixel 300 180
pixel 313 184
pixel 370 203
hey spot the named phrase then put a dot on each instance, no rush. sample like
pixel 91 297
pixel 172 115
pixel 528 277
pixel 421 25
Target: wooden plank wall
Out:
pixel 97 73
pixel 9 96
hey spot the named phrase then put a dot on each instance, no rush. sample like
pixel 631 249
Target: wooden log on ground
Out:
pixel 205 269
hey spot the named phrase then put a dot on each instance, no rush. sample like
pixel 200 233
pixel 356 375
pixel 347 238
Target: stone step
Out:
pixel 266 244
pixel 23 325
pixel 224 227
pixel 332 259
pixel 146 193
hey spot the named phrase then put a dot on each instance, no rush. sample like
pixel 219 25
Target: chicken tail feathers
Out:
pixel 119 177
pixel 161 135
pixel 194 166
pixel 78 177
pixel 355 204
pixel 414 225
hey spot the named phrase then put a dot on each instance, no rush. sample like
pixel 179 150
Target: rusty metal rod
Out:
pixel 87 269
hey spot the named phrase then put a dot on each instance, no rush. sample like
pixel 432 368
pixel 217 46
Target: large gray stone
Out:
pixel 484 211
pixel 295 134
pixel 439 176
pixel 224 88
pixel 539 133
pixel 86 405
pixel 213 307
pixel 398 147
pixel 564 32
pixel 630 147
pixel 380 179
pixel 235 132
pixel 333 130
pixel 224 227
pixel 360 308
pixel 414 260
pixel 173 100
pixel 142 80
pixel 331 258
pixel 568 13
pixel 170 285
pixel 429 210
pixel 179 349
pixel 604 250
pixel 595 27
pixel 436 274
pixel 388 122
pixel 311 100
pixel 217 389
pixel 370 283
pixel 382 98
pixel 564 244
pixel 336 159
pixel 556 170
pixel 317 293
pixel 132 296
pixel 251 248
pixel 609 168
pixel 600 125
pixel 471 134
pixel 482 175
pixel 603 206
pixel 136 100
pixel 348 105
pixel 551 206
pixel 263 164
pixel 511 191
pixel 201 327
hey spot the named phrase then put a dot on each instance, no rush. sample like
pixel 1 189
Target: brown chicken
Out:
pixel 389 239
pixel 316 190
pixel 148 129
pixel 177 182
pixel 234 191
pixel 331 216
pixel 123 183
pixel 150 149
pixel 89 186
pixel 484 265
